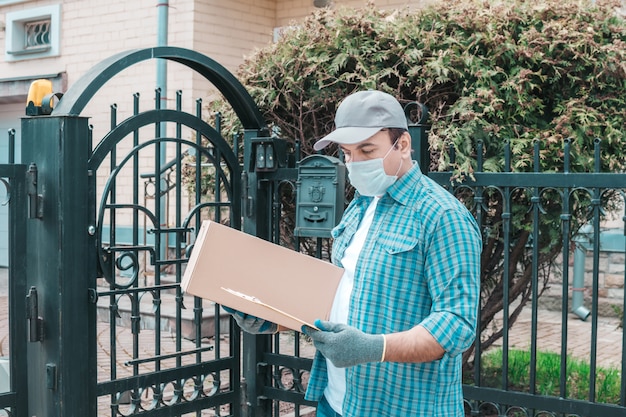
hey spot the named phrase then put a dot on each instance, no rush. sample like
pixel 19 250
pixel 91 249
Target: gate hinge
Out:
pixel 35 200
pixel 35 322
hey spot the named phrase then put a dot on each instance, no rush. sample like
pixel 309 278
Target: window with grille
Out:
pixel 33 33
pixel 37 35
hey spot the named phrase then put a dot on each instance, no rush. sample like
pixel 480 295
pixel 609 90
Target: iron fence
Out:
pixel 539 213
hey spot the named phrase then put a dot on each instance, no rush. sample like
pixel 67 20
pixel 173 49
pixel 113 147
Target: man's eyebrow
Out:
pixel 361 145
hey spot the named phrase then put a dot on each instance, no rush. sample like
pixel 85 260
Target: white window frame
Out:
pixel 7 2
pixel 15 32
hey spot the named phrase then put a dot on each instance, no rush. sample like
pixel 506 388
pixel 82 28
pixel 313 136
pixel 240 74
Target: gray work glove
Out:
pixel 345 345
pixel 252 324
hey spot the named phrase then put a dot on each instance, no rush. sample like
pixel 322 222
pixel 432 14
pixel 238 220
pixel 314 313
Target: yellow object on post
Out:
pixel 40 99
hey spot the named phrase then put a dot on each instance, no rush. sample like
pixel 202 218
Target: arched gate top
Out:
pixel 79 94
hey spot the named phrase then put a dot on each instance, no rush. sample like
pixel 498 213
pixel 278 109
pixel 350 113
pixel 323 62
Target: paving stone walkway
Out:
pixel 549 328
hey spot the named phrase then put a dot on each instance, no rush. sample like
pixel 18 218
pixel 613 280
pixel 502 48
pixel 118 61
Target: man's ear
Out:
pixel 404 143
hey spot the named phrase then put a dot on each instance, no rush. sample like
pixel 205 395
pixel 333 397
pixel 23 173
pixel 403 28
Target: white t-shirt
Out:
pixel 336 388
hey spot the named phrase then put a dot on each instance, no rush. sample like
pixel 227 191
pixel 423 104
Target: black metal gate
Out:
pixel 13 184
pixel 117 335
pixel 167 353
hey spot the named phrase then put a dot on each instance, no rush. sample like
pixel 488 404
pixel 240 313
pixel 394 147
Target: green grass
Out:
pixel 548 376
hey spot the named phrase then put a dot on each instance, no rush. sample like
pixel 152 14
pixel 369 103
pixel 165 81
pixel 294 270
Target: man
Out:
pixel 405 309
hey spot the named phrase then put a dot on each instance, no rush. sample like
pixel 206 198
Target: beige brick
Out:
pixel 617 263
pixel 603 261
pixel 615 293
pixel 616 268
pixel 614 280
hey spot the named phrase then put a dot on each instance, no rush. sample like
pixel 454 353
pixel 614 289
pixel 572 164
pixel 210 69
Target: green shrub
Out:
pixel 490 71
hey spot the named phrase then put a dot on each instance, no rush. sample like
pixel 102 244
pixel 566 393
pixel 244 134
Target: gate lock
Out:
pixel 35 200
pixel 35 322
pixel 268 154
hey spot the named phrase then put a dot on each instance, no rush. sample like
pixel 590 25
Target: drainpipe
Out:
pixel 161 83
pixel 581 240
pixel 162 27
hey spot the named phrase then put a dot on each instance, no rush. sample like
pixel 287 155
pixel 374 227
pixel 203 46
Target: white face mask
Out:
pixel 369 176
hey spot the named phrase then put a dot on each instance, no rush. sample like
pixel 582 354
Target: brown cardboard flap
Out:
pixel 257 277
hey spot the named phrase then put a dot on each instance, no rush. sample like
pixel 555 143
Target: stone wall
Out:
pixel 611 270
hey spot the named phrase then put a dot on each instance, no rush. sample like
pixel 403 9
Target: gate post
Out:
pixel 60 271
pixel 256 221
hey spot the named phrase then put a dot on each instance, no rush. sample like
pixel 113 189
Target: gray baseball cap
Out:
pixel 361 115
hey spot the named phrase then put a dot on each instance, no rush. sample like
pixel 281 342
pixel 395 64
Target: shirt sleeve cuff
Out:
pixel 452 333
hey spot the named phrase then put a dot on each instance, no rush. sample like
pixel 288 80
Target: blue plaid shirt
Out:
pixel 420 264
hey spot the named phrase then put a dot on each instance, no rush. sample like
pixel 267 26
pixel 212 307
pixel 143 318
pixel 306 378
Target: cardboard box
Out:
pixel 257 277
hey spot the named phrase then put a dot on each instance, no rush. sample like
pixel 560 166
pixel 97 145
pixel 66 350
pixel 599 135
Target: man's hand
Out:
pixel 252 324
pixel 345 345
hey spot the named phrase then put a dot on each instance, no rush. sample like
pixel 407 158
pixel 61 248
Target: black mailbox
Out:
pixel 321 194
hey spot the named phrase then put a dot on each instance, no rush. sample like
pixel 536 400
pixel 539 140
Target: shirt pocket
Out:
pixel 401 256
pixel 399 244
pixel 400 231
